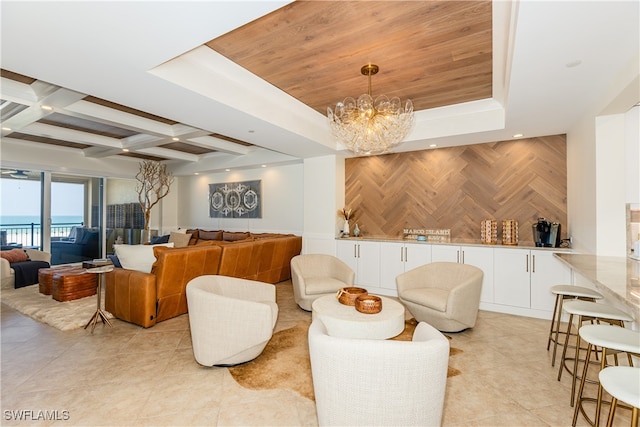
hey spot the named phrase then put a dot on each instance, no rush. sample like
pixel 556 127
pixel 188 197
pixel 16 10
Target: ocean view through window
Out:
pixel 20 206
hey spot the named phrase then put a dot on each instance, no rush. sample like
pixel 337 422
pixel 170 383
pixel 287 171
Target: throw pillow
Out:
pixel 159 239
pixel 179 240
pixel 14 255
pixel 137 257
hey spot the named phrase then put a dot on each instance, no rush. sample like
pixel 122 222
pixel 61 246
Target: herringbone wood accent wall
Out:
pixel 458 187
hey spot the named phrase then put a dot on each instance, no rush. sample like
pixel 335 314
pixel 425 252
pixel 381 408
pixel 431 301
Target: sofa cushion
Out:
pixel 179 240
pixel 229 236
pixel 322 285
pixel 209 234
pixel 14 255
pixel 137 257
pixel 429 297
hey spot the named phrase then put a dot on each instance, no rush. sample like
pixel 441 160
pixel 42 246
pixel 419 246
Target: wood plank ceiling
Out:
pixel 435 53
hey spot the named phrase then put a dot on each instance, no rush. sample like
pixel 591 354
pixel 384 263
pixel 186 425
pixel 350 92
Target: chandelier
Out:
pixel 366 126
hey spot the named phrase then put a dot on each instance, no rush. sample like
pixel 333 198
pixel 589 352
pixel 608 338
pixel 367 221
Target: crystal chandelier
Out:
pixel 366 126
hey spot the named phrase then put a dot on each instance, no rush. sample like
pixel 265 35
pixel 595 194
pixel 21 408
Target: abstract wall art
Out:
pixel 235 200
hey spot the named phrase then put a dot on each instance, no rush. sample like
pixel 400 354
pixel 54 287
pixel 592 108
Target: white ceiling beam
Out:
pixel 220 145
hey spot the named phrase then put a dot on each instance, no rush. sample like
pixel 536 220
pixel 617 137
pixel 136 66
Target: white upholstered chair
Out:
pixel 316 275
pixel 446 295
pixel 379 382
pixel 231 319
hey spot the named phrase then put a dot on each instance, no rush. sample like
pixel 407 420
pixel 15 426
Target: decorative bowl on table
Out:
pixel 369 304
pixel 348 295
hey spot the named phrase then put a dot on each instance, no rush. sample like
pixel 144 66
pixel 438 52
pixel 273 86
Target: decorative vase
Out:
pixel 356 230
pixel 345 229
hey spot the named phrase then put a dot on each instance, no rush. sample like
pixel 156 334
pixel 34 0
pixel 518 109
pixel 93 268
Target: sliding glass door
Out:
pixel 58 213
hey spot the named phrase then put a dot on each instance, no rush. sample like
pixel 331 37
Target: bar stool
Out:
pixel 563 292
pixel 586 310
pixel 622 383
pixel 612 340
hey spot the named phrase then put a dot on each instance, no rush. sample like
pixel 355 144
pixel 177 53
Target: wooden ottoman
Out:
pixel 45 277
pixel 73 284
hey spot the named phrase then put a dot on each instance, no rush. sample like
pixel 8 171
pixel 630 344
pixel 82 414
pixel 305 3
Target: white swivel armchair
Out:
pixel 231 319
pixel 316 275
pixel 379 382
pixel 446 295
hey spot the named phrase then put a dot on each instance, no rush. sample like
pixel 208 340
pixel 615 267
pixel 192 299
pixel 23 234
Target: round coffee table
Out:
pixel 344 321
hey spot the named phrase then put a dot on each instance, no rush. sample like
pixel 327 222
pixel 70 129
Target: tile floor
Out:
pixel 128 376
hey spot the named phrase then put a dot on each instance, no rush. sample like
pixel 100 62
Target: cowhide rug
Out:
pixel 290 348
pixel 65 316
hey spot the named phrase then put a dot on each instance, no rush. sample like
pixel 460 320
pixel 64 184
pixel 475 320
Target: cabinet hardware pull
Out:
pixel 463 257
pixel 401 260
pixel 405 254
pixel 354 251
pixel 527 264
pixel 533 263
pixel 458 256
pixel 358 251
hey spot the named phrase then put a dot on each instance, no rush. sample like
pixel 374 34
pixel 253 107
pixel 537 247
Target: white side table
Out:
pixel 344 321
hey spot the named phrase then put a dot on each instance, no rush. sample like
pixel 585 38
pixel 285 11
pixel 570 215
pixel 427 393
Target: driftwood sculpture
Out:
pixel 154 182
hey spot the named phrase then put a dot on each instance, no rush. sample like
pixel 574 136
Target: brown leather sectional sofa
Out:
pixel 147 298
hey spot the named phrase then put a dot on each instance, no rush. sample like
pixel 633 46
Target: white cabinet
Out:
pixel 364 259
pixel 478 256
pixel 511 277
pixel 546 271
pixel 523 277
pixel 398 257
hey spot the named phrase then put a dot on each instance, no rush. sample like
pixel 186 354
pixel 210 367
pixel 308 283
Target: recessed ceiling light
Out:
pixel 175 138
pixel 6 128
pixel 264 166
pixel 433 145
pixel 46 107
pixel 126 150
pixel 196 173
pixel 227 170
pixel 518 135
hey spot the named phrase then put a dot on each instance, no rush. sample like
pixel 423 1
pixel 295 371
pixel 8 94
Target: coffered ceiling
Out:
pixel 206 86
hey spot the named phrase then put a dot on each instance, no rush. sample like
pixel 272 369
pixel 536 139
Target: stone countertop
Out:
pixel 616 277
pixel 453 242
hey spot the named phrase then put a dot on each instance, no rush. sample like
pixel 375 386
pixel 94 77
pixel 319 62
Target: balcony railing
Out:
pixel 28 234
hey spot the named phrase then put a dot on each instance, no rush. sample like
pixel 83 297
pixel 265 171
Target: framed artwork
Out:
pixel 235 200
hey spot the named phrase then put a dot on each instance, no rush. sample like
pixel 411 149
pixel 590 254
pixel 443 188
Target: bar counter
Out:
pixel 615 277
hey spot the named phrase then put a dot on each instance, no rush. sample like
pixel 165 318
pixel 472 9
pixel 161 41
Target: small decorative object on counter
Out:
pixel 356 230
pixel 509 232
pixel 489 232
pixel 346 214
pixel 348 295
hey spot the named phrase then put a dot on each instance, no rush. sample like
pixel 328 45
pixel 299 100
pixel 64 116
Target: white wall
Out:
pixel 632 156
pixel 595 169
pixel 282 201
pixel 610 201
pixel 323 196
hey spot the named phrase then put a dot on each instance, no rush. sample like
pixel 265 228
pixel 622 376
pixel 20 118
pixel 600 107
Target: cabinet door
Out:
pixel 392 265
pixel 481 257
pixel 511 285
pixel 415 255
pixel 368 272
pixel 445 253
pixel 546 271
pixel 346 251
